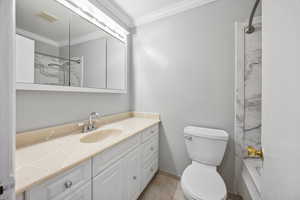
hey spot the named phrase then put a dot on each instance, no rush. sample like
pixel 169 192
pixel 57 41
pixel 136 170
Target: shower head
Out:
pixel 250 29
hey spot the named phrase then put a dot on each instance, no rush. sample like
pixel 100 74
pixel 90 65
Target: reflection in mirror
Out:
pixel 42 27
pixel 116 64
pixel 55 46
pixel 88 43
pixel 102 56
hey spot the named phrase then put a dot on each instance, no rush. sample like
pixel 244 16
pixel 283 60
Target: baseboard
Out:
pixel 169 174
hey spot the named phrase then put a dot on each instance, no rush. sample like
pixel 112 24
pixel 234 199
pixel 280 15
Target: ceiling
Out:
pixel 145 11
pixel 139 8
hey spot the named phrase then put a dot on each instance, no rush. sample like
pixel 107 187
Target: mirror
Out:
pixel 57 47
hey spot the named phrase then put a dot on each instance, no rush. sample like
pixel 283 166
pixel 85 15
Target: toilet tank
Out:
pixel 205 145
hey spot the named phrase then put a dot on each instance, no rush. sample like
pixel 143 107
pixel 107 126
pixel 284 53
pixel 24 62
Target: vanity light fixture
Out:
pixel 91 13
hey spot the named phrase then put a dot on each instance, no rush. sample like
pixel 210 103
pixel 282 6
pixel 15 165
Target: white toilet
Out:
pixel 206 148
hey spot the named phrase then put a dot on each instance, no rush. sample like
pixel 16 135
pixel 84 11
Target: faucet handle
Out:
pixel 92 120
pixel 94 114
pixel 253 152
pixel 83 126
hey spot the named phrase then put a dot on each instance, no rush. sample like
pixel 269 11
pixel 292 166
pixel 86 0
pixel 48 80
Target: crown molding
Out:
pixel 170 10
pixel 81 39
pixel 114 9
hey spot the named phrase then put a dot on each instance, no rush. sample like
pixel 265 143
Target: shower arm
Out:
pixel 250 28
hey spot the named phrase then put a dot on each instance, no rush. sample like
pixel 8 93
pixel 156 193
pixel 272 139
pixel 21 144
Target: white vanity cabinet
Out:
pixel 123 172
pixel 120 172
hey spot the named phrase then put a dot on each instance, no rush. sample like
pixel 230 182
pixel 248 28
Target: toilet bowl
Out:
pixel 206 148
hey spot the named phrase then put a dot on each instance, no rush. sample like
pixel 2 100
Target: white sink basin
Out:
pixel 100 135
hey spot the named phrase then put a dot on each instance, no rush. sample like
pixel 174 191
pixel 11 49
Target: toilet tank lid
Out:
pixel 209 133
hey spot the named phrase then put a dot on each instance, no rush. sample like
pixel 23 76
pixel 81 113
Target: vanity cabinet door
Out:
pixel 109 184
pixel 133 174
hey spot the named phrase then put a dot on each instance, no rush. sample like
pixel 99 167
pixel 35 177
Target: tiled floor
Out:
pixel 165 187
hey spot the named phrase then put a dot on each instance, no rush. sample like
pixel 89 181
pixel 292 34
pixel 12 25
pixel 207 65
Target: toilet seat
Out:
pixel 202 182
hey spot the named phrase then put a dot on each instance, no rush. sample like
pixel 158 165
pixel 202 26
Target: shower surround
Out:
pixel 55 71
pixel 247 93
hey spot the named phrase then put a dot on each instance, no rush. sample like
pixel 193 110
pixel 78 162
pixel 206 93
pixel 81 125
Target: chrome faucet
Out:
pixel 91 125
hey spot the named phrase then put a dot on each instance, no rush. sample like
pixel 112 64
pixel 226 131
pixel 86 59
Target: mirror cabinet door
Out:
pixel 88 45
pixel 102 57
pixel 42 30
pixel 116 64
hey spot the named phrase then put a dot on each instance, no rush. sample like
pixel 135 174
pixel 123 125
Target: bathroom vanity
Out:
pixel 73 46
pixel 116 164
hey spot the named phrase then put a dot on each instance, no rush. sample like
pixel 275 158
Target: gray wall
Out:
pixel 280 100
pixel 94 61
pixel 42 109
pixel 183 68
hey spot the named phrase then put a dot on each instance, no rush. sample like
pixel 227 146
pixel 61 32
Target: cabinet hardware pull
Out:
pixel 134 177
pixel 1 190
pixel 68 184
pixel 7 186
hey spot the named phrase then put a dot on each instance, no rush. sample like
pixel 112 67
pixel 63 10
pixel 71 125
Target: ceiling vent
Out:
pixel 48 17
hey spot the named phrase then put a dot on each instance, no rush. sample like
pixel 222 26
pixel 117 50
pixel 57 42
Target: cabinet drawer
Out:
pixel 148 171
pixel 111 155
pixel 149 132
pixel 61 185
pixel 83 193
pixel 149 148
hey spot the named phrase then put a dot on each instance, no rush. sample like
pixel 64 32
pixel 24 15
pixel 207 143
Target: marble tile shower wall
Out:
pixel 252 91
pixel 248 94
pixel 54 71
pixel 248 98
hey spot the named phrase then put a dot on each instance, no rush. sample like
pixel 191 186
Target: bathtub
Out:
pixel 251 179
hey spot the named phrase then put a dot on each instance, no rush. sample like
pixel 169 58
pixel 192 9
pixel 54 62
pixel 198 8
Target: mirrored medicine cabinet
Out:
pixel 62 46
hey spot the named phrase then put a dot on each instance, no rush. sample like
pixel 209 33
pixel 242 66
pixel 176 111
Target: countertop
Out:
pixel 39 162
